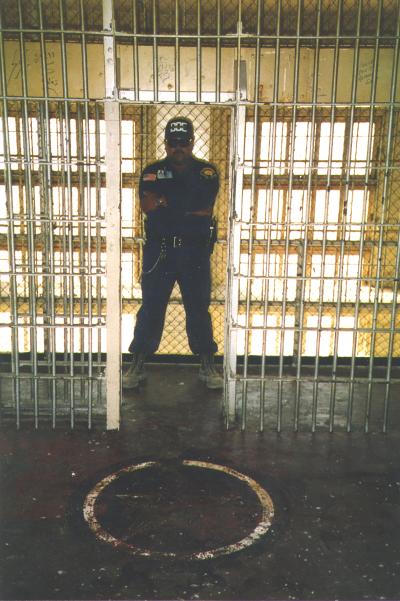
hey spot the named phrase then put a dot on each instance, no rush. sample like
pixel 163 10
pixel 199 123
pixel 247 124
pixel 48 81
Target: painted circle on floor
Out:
pixel 94 512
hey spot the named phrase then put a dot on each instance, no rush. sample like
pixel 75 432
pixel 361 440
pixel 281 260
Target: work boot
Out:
pixel 208 373
pixel 135 373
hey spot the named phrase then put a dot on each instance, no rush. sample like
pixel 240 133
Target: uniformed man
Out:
pixel 177 196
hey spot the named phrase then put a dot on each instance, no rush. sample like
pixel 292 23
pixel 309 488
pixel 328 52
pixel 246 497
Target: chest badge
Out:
pixel 208 173
pixel 164 174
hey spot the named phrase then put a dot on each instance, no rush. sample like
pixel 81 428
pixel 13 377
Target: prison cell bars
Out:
pixel 348 165
pixel 48 272
pixel 255 104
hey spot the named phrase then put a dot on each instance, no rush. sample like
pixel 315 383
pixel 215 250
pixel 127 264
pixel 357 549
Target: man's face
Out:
pixel 179 151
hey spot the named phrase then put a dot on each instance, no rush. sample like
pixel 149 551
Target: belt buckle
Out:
pixel 176 242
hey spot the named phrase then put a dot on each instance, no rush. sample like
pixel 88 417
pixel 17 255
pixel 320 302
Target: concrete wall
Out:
pixel 75 61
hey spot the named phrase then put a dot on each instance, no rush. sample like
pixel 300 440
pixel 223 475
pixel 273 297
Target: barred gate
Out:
pixel 298 106
pixel 53 271
pixel 314 244
pixel 212 142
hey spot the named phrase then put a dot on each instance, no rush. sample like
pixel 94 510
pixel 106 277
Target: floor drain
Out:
pixel 121 526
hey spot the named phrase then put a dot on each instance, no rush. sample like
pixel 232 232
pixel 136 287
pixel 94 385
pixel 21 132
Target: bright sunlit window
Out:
pixel 309 182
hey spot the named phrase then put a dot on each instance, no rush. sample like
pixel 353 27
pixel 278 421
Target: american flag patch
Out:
pixel 149 177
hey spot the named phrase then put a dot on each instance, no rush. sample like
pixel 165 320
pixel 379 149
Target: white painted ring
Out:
pixel 260 530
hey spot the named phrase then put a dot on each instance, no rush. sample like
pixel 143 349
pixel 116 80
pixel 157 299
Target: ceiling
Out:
pixel 209 17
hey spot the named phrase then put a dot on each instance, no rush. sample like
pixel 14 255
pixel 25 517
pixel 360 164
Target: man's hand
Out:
pixel 151 201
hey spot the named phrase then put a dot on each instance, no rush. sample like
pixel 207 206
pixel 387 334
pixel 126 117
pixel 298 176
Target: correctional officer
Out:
pixel 177 196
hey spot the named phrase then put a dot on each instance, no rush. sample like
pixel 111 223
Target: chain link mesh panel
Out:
pixel 212 129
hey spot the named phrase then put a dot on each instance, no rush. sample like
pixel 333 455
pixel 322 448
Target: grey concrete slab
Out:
pixel 336 497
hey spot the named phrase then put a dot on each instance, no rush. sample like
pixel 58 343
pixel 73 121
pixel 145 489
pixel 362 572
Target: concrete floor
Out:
pixel 335 534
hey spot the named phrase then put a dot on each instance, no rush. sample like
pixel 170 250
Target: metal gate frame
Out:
pixel 237 386
pixel 242 102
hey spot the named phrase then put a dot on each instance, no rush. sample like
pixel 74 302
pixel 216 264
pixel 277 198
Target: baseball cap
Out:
pixel 179 128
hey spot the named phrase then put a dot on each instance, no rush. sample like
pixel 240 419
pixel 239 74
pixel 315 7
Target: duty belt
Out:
pixel 178 241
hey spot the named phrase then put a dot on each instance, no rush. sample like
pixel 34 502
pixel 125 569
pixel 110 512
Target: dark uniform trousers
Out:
pixel 189 265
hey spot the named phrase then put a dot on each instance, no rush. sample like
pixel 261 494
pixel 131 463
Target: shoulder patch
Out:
pixel 208 172
pixel 149 177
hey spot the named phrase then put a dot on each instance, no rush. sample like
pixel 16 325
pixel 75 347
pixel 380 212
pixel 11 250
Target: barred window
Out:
pixel 307 210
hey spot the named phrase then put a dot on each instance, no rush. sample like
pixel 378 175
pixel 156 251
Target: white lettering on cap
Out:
pixel 178 126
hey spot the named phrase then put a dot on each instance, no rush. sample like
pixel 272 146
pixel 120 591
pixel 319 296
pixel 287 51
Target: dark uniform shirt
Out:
pixel 193 189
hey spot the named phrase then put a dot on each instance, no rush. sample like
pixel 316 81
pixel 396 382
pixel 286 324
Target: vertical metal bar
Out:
pixel 136 81
pixel 63 153
pixel 272 152
pixel 155 53
pixel 113 226
pixel 239 97
pixel 89 266
pixel 256 96
pixel 85 226
pixel 68 257
pixel 89 279
pixel 218 55
pixel 251 261
pixel 385 194
pixel 81 129
pixel 393 330
pixel 234 244
pixel 251 255
pixel 177 55
pixel 307 224
pixel 198 53
pixel 249 276
pixel 71 300
pixel 347 188
pixel 97 247
pixel 16 389
pixel 321 283
pixel 30 225
pixel 285 274
pixel 49 238
pixel 110 73
pixel 332 398
pixel 339 277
